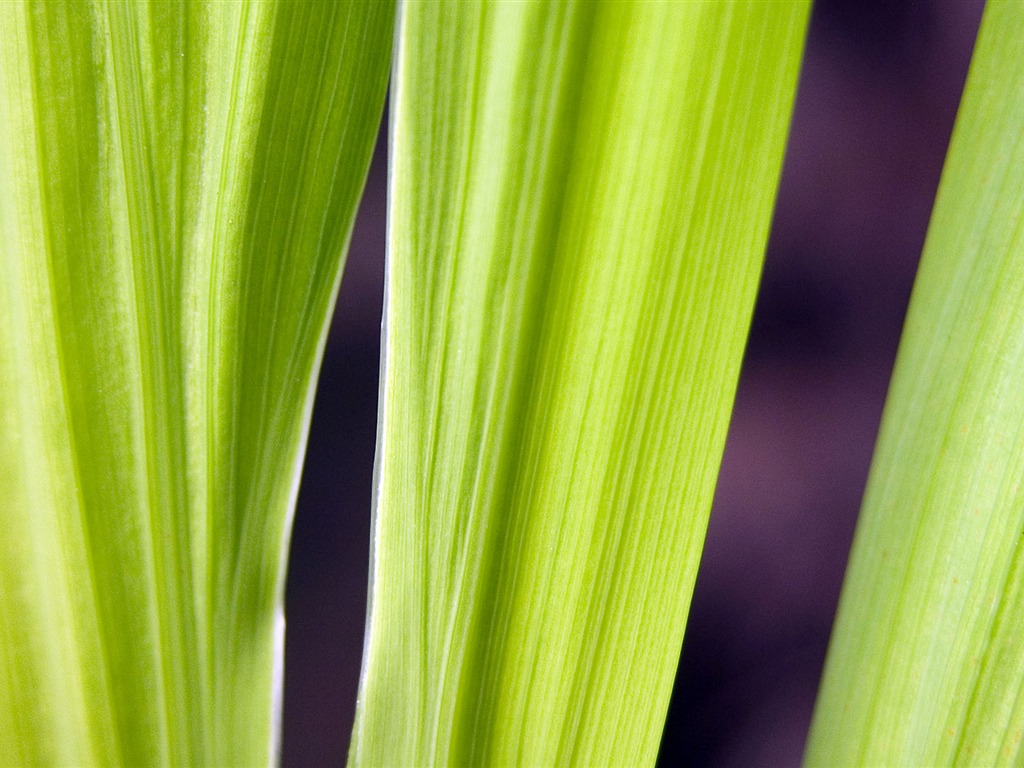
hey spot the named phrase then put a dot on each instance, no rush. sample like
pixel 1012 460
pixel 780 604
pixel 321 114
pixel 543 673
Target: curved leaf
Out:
pixel 926 663
pixel 177 186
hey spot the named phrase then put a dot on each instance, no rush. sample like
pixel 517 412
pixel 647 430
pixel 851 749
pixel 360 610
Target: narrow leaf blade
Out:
pixel 177 187
pixel 926 664
pixel 580 200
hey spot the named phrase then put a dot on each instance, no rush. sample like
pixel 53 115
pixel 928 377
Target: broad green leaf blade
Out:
pixel 926 664
pixel 177 187
pixel 580 199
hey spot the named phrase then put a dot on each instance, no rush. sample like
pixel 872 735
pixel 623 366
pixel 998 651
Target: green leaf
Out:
pixel 177 188
pixel 580 199
pixel 926 664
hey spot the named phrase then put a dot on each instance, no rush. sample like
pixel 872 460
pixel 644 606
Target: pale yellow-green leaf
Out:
pixel 926 664
pixel 580 197
pixel 177 186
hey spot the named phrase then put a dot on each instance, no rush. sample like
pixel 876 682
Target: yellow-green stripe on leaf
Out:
pixel 926 663
pixel 178 182
pixel 580 198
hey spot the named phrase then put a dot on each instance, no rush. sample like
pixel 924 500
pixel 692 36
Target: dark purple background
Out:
pixel 878 93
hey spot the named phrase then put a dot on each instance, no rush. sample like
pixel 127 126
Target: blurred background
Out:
pixel 878 93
